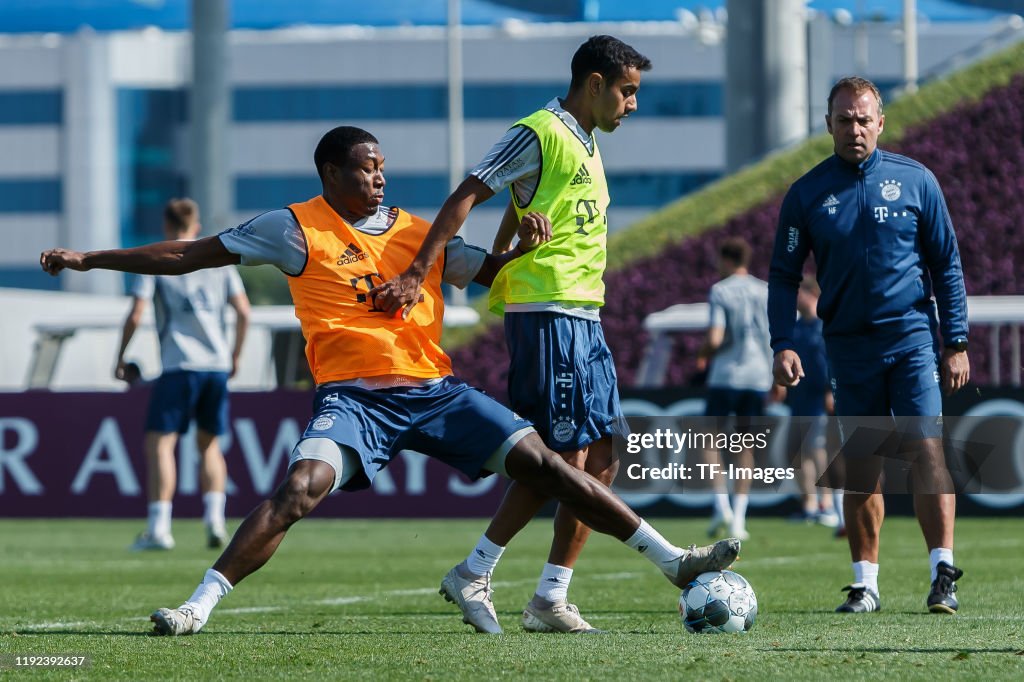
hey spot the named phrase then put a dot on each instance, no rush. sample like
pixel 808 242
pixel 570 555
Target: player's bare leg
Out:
pixel 571 534
pixel 821 497
pixel 531 464
pixel 161 469
pixel 161 479
pixel 935 508
pixel 308 482
pixel 741 495
pixel 256 540
pixel 549 610
pixel 864 515
pixel 521 504
pixel 213 474
pixel 468 584
pixel 721 511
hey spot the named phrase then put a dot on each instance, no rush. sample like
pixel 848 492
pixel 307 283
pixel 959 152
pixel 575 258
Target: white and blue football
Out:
pixel 718 601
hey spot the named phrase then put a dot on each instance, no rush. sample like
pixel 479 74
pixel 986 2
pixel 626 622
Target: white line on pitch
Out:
pixel 335 601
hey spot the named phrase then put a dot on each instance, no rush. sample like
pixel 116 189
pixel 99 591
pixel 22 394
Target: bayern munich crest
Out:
pixel 890 190
pixel 322 423
pixel 563 430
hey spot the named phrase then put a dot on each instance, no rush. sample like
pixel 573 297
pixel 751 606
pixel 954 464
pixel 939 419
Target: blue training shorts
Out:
pixel 450 421
pixel 722 402
pixel 562 378
pixel 902 384
pixel 726 402
pixel 182 395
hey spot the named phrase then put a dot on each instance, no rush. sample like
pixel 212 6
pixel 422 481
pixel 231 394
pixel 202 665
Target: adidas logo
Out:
pixel 352 254
pixel 642 548
pixel 582 176
pixel 831 201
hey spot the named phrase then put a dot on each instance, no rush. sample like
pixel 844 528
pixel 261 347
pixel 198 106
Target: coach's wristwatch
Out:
pixel 959 344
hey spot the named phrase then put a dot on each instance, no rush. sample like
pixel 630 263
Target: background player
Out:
pixel 739 377
pixel 196 360
pixel 811 398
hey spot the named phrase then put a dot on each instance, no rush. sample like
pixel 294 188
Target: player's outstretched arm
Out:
pixel 160 258
pixel 403 290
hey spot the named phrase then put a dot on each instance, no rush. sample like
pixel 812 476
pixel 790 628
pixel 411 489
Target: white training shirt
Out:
pixel 739 304
pixel 189 311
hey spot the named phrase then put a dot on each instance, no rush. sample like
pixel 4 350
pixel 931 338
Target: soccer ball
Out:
pixel 718 601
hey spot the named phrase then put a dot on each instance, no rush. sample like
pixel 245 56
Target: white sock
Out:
pixel 866 573
pixel 554 583
pixel 213 508
pixel 657 549
pixel 213 588
pixel 837 501
pixel 158 523
pixel 721 506
pixel 484 557
pixel 939 554
pixel 739 512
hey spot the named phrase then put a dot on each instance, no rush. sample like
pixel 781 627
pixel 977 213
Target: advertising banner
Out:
pixel 665 468
pixel 81 455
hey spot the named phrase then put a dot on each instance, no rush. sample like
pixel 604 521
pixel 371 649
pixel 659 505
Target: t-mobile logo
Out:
pixel 881 213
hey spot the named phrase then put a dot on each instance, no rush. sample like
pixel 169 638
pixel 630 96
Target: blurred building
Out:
pixel 94 124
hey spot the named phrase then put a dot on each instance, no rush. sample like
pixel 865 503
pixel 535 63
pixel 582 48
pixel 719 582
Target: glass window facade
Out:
pixel 31 107
pixel 147 121
pixel 41 195
pixel 480 100
pixel 418 190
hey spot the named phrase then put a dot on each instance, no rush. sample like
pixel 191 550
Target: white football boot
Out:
pixel 473 597
pixel 145 542
pixel 697 560
pixel 175 622
pixel 560 616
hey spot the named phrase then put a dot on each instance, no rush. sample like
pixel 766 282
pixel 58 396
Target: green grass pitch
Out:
pixel 358 600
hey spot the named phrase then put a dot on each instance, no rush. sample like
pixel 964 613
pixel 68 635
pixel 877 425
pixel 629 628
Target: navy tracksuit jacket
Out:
pixel 884 245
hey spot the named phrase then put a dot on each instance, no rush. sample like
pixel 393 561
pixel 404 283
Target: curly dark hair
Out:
pixel 336 144
pixel 607 56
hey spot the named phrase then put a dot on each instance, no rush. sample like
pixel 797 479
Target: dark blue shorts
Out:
pixel 562 378
pixel 722 402
pixel 903 384
pixel 450 421
pixel 180 396
pixel 726 402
